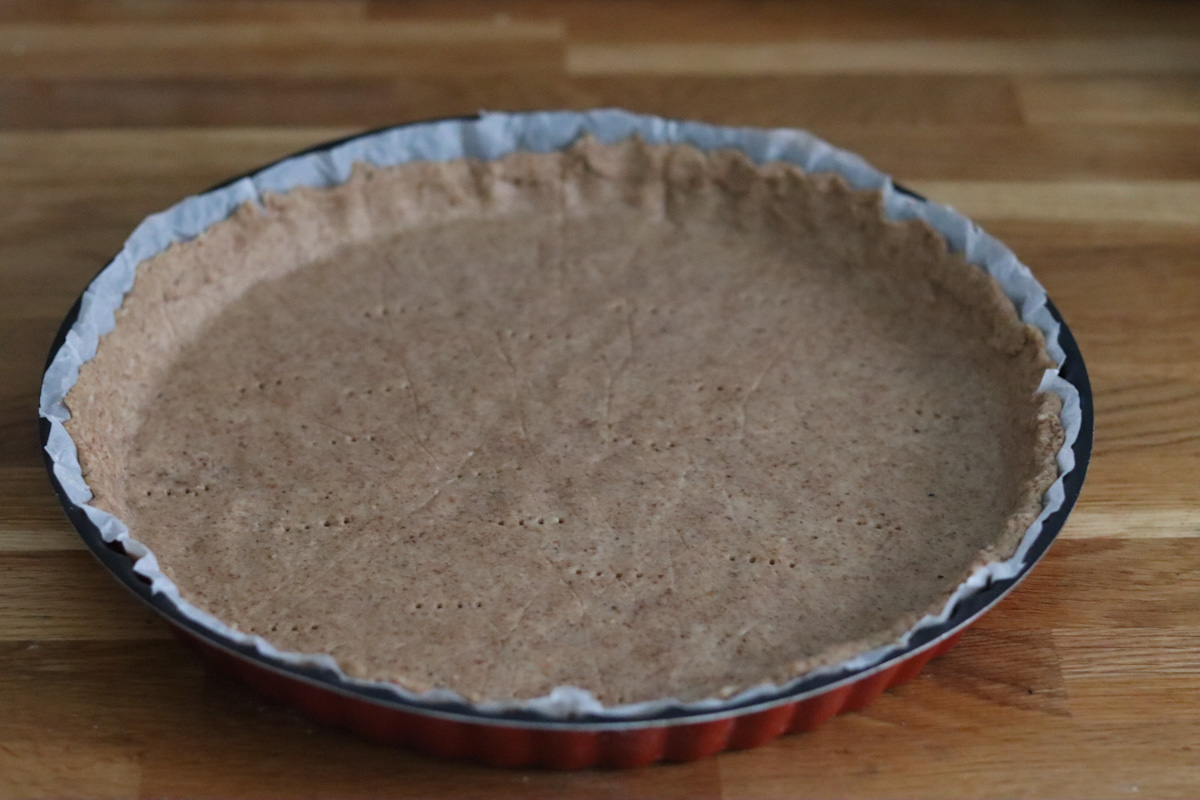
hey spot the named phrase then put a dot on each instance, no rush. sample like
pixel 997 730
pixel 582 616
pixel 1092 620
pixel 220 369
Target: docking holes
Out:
pixel 176 491
pixel 335 521
pixel 581 572
pixel 446 605
pixel 527 521
pixel 382 311
pixel 762 561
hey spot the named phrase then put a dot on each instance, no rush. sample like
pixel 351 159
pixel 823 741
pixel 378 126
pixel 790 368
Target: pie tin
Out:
pixel 520 737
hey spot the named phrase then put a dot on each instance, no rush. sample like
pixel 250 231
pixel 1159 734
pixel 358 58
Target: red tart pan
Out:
pixel 528 736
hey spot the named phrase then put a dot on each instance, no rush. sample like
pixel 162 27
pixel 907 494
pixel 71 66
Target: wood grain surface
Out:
pixel 1071 131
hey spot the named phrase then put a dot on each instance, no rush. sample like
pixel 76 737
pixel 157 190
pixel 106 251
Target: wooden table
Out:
pixel 1071 132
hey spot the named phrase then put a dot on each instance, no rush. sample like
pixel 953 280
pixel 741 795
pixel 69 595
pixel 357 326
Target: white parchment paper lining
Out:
pixel 488 137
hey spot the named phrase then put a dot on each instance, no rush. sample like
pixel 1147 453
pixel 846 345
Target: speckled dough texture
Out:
pixel 643 420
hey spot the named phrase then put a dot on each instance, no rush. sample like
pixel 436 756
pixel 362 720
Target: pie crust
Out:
pixel 645 420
